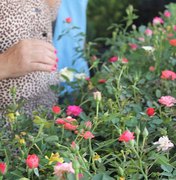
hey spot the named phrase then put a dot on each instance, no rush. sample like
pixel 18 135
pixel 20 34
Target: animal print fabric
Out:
pixel 27 19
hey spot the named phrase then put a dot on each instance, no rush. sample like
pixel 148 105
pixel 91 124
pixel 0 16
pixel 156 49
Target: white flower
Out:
pixel 163 143
pixel 66 74
pixel 148 48
pixel 80 76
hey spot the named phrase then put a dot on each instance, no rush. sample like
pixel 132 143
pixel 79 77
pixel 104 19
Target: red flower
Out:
pixel 113 59
pixel 151 68
pixel 124 60
pixel 150 111
pixel 60 121
pixel 3 167
pixel 32 161
pixel 126 136
pixel 73 110
pixel 88 135
pixel 102 81
pixel 69 126
pixel 56 109
pixel 172 42
pixel 68 20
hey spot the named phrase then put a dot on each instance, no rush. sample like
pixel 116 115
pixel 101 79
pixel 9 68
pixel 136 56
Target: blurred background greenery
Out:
pixel 102 13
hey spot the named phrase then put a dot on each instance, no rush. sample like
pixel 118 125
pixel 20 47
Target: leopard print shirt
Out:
pixel 27 19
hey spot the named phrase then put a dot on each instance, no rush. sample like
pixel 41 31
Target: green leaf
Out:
pixel 161 159
pixel 158 93
pixel 102 177
pixel 167 168
pixel 52 139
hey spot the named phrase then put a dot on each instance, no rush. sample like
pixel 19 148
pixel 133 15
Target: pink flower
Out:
pixel 133 46
pixel 126 136
pixel 88 135
pixel 167 14
pixel 168 101
pixel 69 126
pixel 62 168
pixel 56 109
pixel 148 32
pixel 88 124
pixel 68 119
pixel 73 110
pixel 124 60
pixel 94 58
pixel 150 111
pixel 68 20
pixel 80 176
pixel 32 161
pixel 141 39
pixel 87 78
pixel 174 28
pixel 167 74
pixel 113 59
pixel 151 68
pixel 3 168
pixel 73 145
pixel 157 20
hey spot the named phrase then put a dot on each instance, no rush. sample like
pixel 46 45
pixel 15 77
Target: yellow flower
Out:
pixel 11 117
pixel 23 133
pixel 22 141
pixel 168 28
pixel 17 137
pixel 121 178
pixel 54 158
pixel 96 157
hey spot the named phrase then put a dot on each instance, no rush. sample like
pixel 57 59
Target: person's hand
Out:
pixel 28 56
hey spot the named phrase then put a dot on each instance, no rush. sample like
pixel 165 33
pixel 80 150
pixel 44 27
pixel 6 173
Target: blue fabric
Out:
pixel 68 56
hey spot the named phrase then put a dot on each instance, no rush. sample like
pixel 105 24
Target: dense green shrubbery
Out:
pixel 102 13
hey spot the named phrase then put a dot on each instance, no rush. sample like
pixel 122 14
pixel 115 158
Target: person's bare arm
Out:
pixel 27 56
pixel 51 2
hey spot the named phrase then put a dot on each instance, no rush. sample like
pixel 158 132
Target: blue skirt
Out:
pixel 73 41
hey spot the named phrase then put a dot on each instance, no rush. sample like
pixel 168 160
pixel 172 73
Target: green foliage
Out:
pixel 102 13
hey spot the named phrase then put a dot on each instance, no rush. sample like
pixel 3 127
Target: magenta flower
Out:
pixel 174 28
pixel 157 20
pixel 168 101
pixel 167 14
pixel 113 59
pixel 148 32
pixel 73 110
pixel 133 46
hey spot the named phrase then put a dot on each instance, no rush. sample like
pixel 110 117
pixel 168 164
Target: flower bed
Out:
pixel 117 124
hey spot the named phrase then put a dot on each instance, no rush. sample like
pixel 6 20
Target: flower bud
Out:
pixel 121 171
pixel 145 132
pixel 97 95
pixel 137 131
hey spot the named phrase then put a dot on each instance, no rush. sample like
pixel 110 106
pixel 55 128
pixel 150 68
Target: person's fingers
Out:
pixel 43 67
